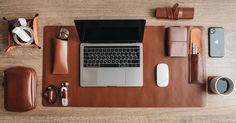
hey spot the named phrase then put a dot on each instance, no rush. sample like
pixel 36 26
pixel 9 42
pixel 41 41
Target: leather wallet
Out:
pixel 19 89
pixel 177 41
pixel 60 65
pixel 175 12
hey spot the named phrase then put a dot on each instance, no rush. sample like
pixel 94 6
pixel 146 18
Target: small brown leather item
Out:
pixel 177 41
pixel 197 75
pixel 50 94
pixel 175 12
pixel 196 59
pixel 19 89
pixel 60 65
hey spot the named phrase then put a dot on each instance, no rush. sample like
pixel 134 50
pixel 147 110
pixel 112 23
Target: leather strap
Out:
pixel 174 13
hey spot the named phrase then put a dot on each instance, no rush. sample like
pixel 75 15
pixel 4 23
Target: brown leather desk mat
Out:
pixel 179 92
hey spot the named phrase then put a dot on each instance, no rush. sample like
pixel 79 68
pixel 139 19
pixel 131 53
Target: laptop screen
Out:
pixel 110 31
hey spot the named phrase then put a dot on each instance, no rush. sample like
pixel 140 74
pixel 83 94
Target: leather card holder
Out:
pixel 19 89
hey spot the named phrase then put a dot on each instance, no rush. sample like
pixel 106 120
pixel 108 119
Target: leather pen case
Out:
pixel 177 41
pixel 197 74
pixel 19 89
pixel 196 60
pixel 60 65
pixel 175 12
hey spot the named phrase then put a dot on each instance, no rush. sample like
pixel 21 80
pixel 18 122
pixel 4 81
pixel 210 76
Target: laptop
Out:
pixel 111 52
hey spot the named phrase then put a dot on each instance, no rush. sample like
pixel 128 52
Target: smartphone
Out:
pixel 216 42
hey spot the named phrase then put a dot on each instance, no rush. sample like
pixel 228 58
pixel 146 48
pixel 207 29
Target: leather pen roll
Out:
pixel 60 65
pixel 175 13
pixel 197 72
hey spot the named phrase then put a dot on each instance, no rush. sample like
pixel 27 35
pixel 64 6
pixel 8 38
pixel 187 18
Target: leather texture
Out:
pixel 197 63
pixel 197 75
pixel 179 93
pixel 20 89
pixel 175 12
pixel 60 65
pixel 177 41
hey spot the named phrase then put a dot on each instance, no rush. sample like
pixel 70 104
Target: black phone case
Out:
pixel 216 42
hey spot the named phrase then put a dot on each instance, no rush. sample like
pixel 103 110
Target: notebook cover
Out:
pixel 179 93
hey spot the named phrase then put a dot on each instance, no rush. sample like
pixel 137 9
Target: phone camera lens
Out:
pixel 212 31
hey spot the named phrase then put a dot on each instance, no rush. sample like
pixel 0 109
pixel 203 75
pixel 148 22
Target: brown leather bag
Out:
pixel 19 89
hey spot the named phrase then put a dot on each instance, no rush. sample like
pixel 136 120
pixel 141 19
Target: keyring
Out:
pixel 50 94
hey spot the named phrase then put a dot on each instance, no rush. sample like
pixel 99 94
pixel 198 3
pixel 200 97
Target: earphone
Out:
pixel 20 31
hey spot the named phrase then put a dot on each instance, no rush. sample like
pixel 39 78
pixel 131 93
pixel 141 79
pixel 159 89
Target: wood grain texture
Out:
pixel 63 12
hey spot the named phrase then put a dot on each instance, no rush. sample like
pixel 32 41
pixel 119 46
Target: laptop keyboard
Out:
pixel 111 56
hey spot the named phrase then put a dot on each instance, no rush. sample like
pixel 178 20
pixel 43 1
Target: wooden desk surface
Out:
pixel 54 12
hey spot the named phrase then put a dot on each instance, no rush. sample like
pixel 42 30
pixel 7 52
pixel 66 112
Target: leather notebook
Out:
pixel 179 92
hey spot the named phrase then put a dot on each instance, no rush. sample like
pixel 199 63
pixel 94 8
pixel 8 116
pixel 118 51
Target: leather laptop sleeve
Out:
pixel 19 89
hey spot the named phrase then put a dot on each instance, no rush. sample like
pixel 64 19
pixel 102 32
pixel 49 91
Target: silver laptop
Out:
pixel 111 52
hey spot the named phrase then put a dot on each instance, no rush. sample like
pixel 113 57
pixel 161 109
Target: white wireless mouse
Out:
pixel 162 75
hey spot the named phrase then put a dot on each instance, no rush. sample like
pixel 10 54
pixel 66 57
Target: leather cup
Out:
pixel 215 80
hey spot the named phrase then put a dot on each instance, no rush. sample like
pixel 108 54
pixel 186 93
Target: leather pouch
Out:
pixel 175 13
pixel 197 74
pixel 19 89
pixel 196 58
pixel 177 41
pixel 60 65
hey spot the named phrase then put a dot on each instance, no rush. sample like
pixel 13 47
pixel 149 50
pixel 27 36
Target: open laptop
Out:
pixel 111 52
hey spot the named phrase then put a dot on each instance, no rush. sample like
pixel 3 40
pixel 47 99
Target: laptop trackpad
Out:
pixel 111 77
